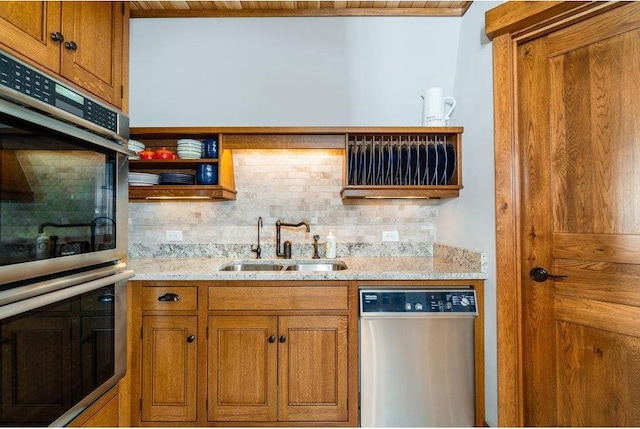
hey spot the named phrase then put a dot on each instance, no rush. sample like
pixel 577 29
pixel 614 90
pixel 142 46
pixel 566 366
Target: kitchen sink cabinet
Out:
pixel 263 353
pixel 85 43
pixel 277 368
pixel 379 162
pixel 282 357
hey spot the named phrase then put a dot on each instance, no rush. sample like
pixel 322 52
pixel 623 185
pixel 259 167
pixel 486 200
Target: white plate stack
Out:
pixel 189 149
pixel 137 147
pixel 143 179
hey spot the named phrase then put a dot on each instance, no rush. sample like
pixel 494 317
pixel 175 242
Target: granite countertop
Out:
pixel 438 267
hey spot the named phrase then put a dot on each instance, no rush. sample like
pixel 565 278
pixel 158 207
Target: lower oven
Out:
pixel 62 344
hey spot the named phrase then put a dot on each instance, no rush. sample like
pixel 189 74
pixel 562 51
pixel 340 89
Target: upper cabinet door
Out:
pixel 26 28
pixel 92 53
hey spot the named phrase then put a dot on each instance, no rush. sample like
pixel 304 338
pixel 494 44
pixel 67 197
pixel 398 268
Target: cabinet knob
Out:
pixel 191 338
pixel 283 338
pixel 272 339
pixel 71 46
pixel 57 37
pixel 169 297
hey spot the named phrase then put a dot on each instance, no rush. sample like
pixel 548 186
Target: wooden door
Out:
pixel 242 369
pixel 169 368
pixel 312 368
pixel 95 59
pixel 579 138
pixel 36 360
pixel 26 27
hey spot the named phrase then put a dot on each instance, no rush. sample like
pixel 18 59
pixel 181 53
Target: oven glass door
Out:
pixel 56 358
pixel 57 195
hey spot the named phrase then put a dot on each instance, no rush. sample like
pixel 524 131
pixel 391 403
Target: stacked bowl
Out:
pixel 137 147
pixel 189 149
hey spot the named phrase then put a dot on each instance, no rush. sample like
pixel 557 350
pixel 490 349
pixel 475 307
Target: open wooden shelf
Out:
pixel 230 138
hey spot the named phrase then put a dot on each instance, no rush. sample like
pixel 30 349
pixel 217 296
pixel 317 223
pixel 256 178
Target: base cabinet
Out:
pixel 169 368
pixel 277 368
pixel 211 354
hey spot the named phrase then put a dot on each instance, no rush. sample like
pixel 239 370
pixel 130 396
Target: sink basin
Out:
pixel 251 267
pixel 298 266
pixel 317 266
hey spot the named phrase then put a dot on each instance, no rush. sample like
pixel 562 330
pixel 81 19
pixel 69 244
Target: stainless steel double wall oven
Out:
pixel 63 240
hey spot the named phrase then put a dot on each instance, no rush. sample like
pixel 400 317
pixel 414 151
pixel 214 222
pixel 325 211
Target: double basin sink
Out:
pixel 281 266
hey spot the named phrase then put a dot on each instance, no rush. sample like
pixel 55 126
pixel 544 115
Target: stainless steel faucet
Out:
pixel 287 244
pixel 257 249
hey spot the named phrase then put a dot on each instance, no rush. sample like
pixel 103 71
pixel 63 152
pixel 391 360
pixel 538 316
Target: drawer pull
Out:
pixel 169 297
pixel 191 338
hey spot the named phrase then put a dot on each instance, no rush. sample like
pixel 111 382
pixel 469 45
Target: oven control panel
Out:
pixel 29 82
pixel 418 301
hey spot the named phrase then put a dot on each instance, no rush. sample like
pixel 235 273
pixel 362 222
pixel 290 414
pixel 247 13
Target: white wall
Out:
pixel 469 221
pixel 287 71
pixel 329 72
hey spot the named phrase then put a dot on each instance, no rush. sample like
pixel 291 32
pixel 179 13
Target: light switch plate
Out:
pixel 390 236
pixel 173 235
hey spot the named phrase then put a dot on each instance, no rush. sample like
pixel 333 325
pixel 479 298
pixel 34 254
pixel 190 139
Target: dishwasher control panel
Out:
pixel 418 301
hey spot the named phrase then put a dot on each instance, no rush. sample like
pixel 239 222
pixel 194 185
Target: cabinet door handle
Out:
pixel 272 339
pixel 57 37
pixel 191 338
pixel 169 297
pixel 71 46
pixel 283 338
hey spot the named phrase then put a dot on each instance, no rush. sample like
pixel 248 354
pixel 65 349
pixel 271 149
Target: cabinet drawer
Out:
pixel 278 298
pixel 170 298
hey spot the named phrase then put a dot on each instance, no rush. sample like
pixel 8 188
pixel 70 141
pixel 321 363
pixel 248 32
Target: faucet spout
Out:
pixel 280 224
pixel 257 249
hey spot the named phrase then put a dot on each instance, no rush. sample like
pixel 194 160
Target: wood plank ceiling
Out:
pixel 175 9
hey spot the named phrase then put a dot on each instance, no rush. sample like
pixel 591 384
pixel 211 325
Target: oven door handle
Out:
pixel 62 294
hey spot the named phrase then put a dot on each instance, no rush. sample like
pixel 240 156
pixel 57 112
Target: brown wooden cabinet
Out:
pixel 277 368
pixel 168 366
pixel 287 358
pixel 289 363
pixel 85 43
pixel 379 162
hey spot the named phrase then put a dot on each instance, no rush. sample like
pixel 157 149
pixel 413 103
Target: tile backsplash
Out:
pixel 292 186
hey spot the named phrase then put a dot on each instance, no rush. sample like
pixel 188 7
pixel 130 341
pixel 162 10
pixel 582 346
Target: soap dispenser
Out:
pixel 331 245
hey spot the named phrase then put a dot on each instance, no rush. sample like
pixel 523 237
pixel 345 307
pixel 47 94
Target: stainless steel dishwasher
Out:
pixel 417 357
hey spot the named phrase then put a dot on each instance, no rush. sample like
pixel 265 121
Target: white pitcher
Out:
pixel 433 112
